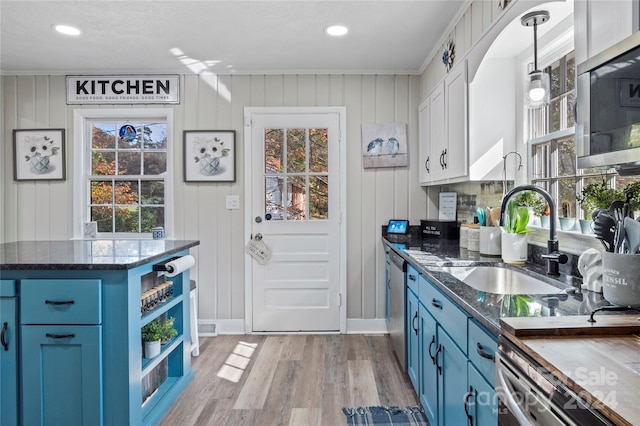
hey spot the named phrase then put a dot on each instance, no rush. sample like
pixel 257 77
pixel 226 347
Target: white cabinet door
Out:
pixel 437 133
pixel 455 154
pixel 424 141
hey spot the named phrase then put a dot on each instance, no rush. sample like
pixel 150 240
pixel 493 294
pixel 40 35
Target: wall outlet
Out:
pixel 232 202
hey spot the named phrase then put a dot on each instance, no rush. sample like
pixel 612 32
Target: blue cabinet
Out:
pixel 61 375
pixel 428 390
pixel 452 381
pixel 480 402
pixel 449 357
pixel 413 340
pixel 61 351
pixel 8 354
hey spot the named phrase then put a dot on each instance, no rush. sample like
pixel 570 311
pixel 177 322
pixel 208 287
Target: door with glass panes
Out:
pixel 294 203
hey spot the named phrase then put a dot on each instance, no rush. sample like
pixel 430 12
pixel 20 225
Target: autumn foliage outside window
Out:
pixel 127 176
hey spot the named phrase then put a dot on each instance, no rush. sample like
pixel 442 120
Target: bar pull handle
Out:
pixel 484 354
pixel 436 304
pixel 60 336
pixel 59 302
pixel 3 340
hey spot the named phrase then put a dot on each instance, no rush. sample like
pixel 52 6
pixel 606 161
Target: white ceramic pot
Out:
pixel 490 244
pixel 151 349
pixel 514 248
pixel 585 226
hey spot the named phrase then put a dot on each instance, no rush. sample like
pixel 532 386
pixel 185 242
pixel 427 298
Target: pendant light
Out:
pixel 538 87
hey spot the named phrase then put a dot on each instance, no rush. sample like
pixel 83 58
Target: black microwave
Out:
pixel 608 109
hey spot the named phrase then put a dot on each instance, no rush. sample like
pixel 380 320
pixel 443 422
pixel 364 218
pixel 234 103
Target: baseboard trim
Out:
pixel 366 326
pixel 236 326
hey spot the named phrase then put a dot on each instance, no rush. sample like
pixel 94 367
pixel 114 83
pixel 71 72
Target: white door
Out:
pixel 294 199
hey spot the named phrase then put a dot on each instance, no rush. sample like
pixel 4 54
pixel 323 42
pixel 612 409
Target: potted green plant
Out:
pixel 514 237
pixel 156 332
pixel 594 196
pixel 533 201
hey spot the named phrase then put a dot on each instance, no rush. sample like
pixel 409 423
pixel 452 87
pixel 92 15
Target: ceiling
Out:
pixel 239 36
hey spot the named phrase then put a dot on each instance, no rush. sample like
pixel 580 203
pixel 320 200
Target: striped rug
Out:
pixel 396 416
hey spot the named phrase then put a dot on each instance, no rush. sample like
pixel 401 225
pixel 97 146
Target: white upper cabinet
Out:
pixel 601 24
pixel 443 129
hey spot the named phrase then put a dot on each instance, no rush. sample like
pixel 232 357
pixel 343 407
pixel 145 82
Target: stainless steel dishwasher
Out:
pixel 397 306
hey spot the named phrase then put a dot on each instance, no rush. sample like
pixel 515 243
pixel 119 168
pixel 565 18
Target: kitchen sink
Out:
pixel 500 280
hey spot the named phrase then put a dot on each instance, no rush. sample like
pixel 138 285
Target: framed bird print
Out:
pixel 384 145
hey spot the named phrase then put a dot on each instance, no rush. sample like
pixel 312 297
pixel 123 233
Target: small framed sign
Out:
pixel 398 226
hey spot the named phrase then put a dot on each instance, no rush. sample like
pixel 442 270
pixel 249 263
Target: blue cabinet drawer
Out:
pixel 482 351
pixel 445 312
pixel 61 301
pixel 7 288
pixel 412 278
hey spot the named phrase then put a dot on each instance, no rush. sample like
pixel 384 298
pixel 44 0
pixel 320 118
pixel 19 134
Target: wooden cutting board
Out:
pixel 610 325
pixel 599 361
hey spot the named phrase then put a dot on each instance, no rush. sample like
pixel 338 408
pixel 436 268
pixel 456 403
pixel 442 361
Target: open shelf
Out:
pixel 159 310
pixel 150 364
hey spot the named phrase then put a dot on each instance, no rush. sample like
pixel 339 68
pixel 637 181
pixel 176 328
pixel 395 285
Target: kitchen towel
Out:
pixel 179 265
pixel 376 415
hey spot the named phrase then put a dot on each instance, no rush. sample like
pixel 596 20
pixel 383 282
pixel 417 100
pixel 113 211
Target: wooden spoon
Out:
pixel 494 214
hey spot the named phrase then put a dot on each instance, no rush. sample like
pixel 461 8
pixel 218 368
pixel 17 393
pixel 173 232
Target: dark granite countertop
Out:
pixel 428 255
pixel 87 254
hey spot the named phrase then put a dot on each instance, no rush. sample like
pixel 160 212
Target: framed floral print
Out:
pixel 38 154
pixel 209 155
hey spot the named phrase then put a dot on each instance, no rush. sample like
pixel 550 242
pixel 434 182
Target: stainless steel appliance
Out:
pixel 397 306
pixel 608 108
pixel 530 395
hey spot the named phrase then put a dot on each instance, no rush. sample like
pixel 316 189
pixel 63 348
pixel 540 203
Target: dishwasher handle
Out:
pixel 507 397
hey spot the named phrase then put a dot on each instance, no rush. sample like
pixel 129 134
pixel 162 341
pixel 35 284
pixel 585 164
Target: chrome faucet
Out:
pixel 553 256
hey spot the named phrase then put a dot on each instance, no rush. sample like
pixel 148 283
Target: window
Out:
pixel 552 142
pixel 125 165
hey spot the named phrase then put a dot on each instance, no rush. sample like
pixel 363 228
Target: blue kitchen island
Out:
pixel 76 333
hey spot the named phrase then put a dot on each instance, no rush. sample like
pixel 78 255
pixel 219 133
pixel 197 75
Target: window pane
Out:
pixel 155 163
pixel 126 192
pixel 274 203
pixel 101 192
pixel 571 71
pixel 318 197
pixel 103 163
pixel 540 161
pixel 103 136
pixel 318 150
pixel 155 136
pixel 571 101
pixel 566 158
pixel 152 192
pixel 127 219
pixel 104 217
pixel 129 136
pixel 556 76
pixel 129 163
pixel 566 206
pixel 554 110
pixel 296 151
pixel 151 217
pixel 297 205
pixel 273 142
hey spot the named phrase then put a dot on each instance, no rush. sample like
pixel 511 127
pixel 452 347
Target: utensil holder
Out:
pixel 620 279
pixel 490 240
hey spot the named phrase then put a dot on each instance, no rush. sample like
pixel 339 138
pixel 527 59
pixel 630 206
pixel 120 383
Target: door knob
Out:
pixel 258 219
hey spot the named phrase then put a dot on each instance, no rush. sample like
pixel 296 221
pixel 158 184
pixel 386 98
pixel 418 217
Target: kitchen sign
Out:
pixel 128 89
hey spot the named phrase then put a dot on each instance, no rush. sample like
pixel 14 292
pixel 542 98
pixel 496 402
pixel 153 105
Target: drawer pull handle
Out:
pixel 5 344
pixel 60 336
pixel 413 323
pixel 433 340
pixel 485 354
pixel 412 277
pixel 466 405
pixel 436 304
pixel 59 302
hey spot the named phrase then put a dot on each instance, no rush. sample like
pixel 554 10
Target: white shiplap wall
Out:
pixel 43 210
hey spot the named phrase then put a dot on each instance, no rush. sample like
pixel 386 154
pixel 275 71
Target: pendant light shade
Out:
pixel 538 89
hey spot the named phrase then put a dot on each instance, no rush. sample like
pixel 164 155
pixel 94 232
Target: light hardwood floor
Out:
pixel 289 380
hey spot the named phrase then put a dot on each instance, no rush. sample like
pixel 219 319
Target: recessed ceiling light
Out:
pixel 336 30
pixel 67 30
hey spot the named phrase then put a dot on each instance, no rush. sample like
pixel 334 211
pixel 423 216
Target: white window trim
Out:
pixel 81 163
